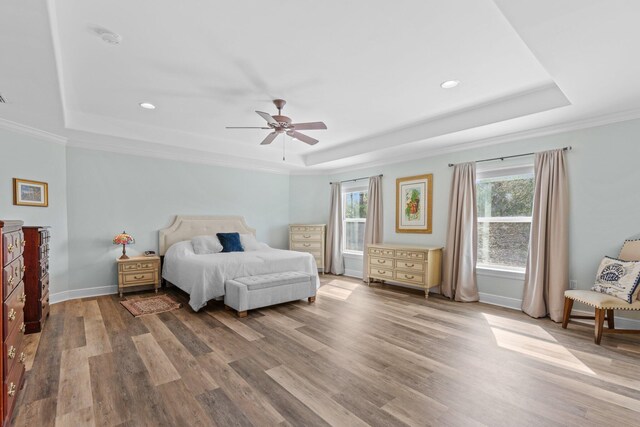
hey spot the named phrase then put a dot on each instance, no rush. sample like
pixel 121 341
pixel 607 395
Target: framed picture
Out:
pixel 414 196
pixel 30 193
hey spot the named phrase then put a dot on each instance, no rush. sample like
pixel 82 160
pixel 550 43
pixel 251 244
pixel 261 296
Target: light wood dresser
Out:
pixel 36 278
pixel 419 266
pixel 138 271
pixel 308 238
pixel 13 297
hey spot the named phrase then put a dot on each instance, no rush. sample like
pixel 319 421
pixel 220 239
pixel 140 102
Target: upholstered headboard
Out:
pixel 187 227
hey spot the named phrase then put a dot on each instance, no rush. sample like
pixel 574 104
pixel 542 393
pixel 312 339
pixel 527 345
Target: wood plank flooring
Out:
pixel 379 355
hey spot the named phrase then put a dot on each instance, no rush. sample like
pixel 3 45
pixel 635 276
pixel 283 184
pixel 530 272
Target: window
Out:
pixel 505 203
pixel 354 217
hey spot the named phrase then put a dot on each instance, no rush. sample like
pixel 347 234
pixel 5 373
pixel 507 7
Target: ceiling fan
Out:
pixel 282 124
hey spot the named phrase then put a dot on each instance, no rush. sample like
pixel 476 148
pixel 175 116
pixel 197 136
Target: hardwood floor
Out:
pixel 378 355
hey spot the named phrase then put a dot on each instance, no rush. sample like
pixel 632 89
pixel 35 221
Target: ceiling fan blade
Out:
pixel 268 118
pixel 246 127
pixel 269 139
pixel 302 137
pixel 309 126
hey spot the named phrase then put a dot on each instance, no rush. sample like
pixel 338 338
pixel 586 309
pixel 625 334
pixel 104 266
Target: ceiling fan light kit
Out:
pixel 280 124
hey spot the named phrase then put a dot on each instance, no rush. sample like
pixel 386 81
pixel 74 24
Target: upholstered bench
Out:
pixel 251 292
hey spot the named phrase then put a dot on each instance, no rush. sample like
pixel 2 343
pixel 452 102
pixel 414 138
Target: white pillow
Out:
pixel 206 245
pixel 618 278
pixel 249 242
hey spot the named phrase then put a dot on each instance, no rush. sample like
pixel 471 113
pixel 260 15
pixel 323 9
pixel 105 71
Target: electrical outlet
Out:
pixel 573 284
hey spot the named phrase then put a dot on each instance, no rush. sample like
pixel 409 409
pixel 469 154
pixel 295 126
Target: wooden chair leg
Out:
pixel 568 306
pixel 599 325
pixel 610 322
pixel 242 314
pixel 312 299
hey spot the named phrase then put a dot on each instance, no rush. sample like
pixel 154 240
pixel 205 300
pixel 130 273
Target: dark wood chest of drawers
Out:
pixel 36 278
pixel 13 326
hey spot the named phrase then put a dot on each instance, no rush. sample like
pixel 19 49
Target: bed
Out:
pixel 203 276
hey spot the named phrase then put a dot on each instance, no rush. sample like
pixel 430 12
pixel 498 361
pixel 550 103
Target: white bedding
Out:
pixel 203 276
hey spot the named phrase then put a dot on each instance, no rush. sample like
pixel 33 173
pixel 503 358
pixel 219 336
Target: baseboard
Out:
pixel 353 273
pixel 83 293
pixel 516 304
pixel 501 301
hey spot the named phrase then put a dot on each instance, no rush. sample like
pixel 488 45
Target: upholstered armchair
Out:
pixel 605 304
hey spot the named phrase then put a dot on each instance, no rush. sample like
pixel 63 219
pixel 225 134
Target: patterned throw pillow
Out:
pixel 617 278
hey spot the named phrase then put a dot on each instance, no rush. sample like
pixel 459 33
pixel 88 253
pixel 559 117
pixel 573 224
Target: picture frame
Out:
pixel 414 204
pixel 30 193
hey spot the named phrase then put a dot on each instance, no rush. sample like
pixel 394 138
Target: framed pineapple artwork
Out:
pixel 414 198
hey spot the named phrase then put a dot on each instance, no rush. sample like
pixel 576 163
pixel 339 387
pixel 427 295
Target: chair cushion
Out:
pixel 617 278
pixel 275 279
pixel 598 300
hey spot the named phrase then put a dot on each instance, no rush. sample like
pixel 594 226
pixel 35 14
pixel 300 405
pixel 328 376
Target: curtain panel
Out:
pixel 374 223
pixel 334 262
pixel 547 272
pixel 461 251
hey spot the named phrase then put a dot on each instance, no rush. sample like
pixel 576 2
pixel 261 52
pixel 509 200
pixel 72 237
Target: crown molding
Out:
pixel 184 155
pixel 31 131
pixel 596 121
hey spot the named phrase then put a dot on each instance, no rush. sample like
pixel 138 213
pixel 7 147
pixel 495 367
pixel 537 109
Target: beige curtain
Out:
pixel 373 226
pixel 333 248
pixel 461 251
pixel 547 274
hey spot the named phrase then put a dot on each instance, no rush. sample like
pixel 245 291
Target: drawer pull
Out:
pixel 10 247
pixel 409 265
pixel 406 276
pixel 23 327
pixel 382 271
pixel 23 357
pixel 382 261
pixel 23 297
pixel 138 277
pixel 10 280
pixel 24 243
pixel 12 352
pixel 12 390
pixel 306 236
pixel 12 315
pixel 24 268
pixel 306 245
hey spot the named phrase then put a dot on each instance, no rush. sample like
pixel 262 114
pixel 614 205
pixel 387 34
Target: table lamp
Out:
pixel 123 239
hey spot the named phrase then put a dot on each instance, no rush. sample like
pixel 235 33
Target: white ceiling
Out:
pixel 370 70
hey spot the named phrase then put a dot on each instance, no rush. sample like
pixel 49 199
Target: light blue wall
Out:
pixel 605 201
pixel 109 192
pixel 28 157
pixel 309 199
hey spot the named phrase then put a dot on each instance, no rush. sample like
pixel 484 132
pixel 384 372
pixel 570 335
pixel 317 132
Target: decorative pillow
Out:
pixel 249 242
pixel 617 278
pixel 206 245
pixel 230 242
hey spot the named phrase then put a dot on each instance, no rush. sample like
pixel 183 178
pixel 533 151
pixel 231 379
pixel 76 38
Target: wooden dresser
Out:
pixel 308 238
pixel 36 278
pixel 13 297
pixel 410 265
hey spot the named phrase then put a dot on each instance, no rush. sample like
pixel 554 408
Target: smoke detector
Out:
pixel 108 36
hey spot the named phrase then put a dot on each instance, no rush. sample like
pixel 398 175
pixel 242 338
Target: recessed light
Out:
pixel 449 84
pixel 108 36
pixel 147 106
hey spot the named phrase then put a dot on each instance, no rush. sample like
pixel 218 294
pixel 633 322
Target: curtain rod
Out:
pixel 353 180
pixel 510 157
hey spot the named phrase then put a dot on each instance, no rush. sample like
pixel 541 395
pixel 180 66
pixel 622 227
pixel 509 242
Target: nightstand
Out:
pixel 138 271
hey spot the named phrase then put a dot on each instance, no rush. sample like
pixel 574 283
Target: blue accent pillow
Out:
pixel 230 242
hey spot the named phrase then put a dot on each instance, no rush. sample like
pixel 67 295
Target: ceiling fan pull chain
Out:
pixel 283 140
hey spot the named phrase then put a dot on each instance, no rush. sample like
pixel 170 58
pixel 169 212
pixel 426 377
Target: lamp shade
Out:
pixel 123 239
